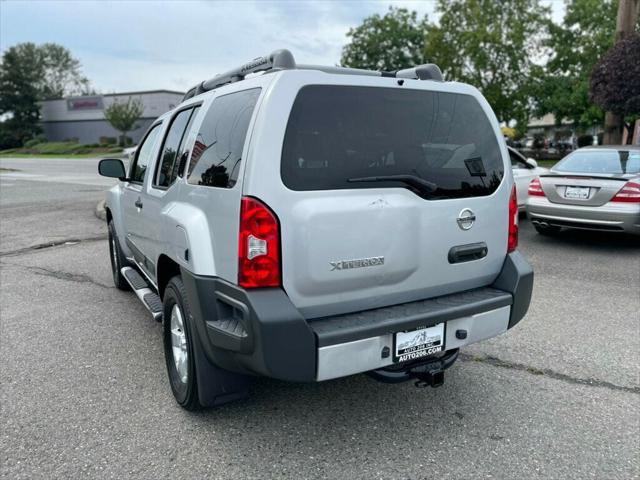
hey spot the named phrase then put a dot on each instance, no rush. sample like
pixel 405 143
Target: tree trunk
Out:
pixel 627 17
pixel 625 24
pixel 612 129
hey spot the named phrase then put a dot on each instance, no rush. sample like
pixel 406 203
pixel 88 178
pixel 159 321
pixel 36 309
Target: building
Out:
pixel 565 131
pixel 82 118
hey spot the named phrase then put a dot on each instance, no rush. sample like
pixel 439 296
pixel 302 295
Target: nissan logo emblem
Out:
pixel 465 219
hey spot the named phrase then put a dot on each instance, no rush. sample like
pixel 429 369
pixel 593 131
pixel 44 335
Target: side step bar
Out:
pixel 141 288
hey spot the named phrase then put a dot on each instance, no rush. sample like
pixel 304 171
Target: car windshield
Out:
pixel 601 161
pixel 441 145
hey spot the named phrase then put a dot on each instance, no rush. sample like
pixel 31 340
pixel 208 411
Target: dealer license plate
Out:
pixel 580 193
pixel 418 343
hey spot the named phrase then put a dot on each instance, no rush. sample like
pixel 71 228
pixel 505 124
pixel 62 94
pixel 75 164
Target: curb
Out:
pixel 100 212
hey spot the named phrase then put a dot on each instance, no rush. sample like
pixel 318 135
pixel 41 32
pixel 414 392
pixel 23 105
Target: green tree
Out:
pixel 391 42
pixel 494 47
pixel 575 46
pixel 123 115
pixel 615 80
pixel 30 73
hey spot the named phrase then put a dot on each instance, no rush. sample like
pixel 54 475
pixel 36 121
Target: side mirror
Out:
pixel 113 168
pixel 532 163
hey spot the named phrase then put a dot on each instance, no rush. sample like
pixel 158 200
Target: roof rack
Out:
pixel 283 60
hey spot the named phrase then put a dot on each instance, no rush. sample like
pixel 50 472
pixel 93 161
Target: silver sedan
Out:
pixel 593 188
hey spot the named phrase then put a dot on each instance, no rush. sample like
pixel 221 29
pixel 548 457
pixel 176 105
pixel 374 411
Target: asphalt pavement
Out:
pixel 84 390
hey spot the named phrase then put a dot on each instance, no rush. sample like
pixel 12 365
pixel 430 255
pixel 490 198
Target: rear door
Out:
pixel 374 186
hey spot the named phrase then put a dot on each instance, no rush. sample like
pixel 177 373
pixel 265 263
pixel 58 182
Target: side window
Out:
pixel 169 152
pixel 183 147
pixel 217 152
pixel 144 154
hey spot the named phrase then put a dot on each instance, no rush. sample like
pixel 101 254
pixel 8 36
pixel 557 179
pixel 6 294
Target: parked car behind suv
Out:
pixel 309 223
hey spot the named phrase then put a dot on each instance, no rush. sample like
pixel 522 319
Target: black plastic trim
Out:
pixel 468 253
pixel 407 316
pixel 279 343
pixel 516 277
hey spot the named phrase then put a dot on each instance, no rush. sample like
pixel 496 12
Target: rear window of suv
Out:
pixel 339 137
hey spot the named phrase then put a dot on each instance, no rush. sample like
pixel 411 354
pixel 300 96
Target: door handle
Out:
pixel 138 203
pixel 467 253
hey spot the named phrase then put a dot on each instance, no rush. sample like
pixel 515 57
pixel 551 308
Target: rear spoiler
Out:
pixel 585 177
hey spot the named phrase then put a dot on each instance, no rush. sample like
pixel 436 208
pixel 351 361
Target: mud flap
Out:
pixel 215 385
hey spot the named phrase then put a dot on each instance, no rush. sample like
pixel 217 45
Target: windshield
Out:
pixel 601 161
pixel 338 134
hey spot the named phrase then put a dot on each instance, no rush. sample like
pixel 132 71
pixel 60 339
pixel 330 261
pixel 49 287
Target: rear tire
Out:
pixel 549 231
pixel 118 260
pixel 179 352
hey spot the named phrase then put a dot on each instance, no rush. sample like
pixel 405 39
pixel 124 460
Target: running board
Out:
pixel 144 292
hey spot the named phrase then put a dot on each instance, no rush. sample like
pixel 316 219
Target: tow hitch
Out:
pixel 429 373
pixel 430 378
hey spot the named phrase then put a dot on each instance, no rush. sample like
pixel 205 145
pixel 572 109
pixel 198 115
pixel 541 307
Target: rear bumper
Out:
pixel 611 217
pixel 261 332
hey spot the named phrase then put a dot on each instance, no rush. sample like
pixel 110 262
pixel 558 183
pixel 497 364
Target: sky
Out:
pixel 131 45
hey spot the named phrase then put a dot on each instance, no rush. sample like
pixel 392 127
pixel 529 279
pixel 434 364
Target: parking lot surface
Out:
pixel 84 389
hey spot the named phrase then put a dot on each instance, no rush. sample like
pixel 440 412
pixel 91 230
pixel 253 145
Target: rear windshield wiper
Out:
pixel 411 180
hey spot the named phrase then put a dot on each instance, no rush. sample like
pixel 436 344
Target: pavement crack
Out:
pixel 61 275
pixel 42 246
pixel 546 372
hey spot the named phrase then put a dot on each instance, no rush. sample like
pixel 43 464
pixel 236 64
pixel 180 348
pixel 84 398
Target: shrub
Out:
pixel 585 141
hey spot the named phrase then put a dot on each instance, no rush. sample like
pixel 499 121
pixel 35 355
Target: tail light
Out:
pixel 258 246
pixel 629 193
pixel 535 188
pixel 512 243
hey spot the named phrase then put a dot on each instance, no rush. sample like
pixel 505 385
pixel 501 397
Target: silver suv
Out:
pixel 307 223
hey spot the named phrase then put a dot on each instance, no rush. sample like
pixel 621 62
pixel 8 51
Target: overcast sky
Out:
pixel 127 45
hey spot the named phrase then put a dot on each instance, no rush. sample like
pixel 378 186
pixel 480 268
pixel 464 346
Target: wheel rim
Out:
pixel 179 344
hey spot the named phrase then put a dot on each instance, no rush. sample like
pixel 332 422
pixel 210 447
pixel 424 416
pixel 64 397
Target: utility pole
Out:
pixel 625 24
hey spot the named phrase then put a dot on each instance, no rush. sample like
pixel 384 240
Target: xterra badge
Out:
pixel 359 263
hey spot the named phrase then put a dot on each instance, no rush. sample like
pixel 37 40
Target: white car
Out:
pixel 524 170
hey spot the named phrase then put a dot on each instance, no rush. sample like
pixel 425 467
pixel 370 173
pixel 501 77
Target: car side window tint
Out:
pixel 217 152
pixel 182 150
pixel 169 151
pixel 143 155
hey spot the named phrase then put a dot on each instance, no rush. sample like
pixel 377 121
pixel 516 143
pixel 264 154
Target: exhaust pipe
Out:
pixel 540 222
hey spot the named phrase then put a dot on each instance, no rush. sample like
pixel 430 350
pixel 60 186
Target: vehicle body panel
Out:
pixel 414 235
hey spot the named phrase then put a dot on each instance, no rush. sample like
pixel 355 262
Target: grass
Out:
pixel 547 163
pixel 62 149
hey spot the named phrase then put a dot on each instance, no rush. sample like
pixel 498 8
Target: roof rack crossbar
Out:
pixel 283 60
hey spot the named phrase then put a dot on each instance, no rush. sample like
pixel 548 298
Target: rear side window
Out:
pixel 340 133
pixel 170 150
pixel 217 152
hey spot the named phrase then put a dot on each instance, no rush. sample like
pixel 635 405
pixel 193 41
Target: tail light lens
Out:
pixel 258 246
pixel 512 243
pixel 629 193
pixel 535 188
